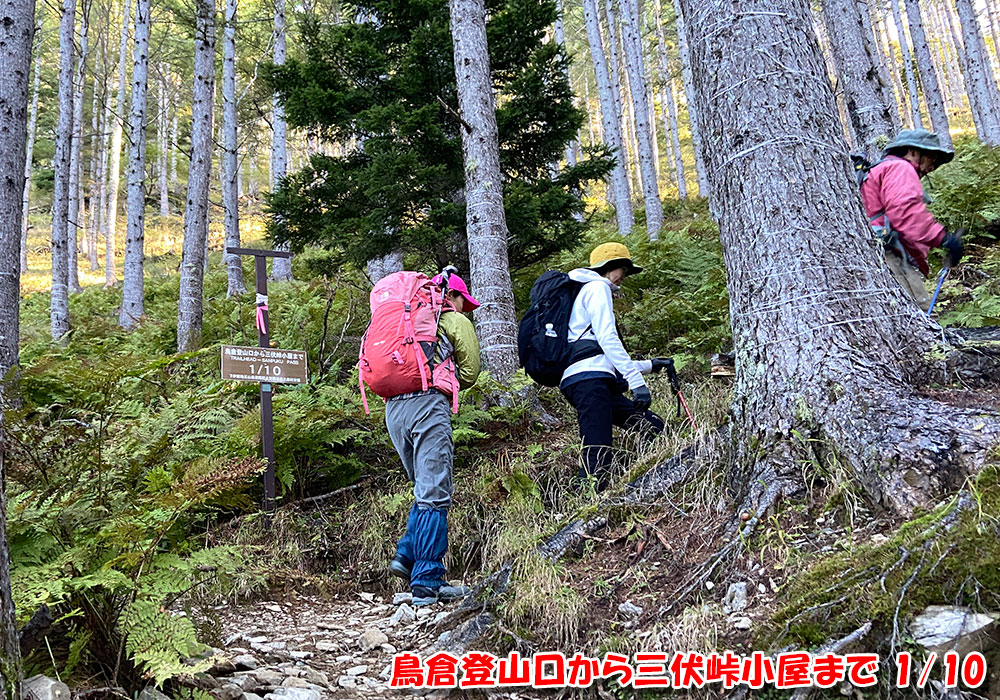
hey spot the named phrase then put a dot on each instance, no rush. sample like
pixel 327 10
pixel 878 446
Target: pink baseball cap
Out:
pixel 457 284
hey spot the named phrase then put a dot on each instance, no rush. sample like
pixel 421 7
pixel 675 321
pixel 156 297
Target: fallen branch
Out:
pixel 313 501
pixel 834 646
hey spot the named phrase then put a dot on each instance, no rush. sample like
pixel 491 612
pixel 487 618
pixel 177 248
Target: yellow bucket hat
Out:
pixel 608 256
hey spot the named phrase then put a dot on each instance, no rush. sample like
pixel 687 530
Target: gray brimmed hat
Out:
pixel 922 140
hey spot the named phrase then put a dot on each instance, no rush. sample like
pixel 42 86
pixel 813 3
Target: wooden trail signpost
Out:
pixel 264 364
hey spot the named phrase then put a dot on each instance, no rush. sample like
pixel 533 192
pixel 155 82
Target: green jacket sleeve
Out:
pixel 462 335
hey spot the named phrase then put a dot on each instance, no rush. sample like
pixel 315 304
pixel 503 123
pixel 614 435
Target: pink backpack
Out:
pixel 403 332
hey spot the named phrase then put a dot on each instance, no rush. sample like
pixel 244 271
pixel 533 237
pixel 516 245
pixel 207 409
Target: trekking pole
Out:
pixel 941 278
pixel 675 383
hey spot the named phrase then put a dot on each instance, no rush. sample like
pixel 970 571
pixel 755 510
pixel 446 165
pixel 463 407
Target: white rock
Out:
pixel 736 597
pixel 389 649
pixel 440 616
pixel 709 585
pixel 742 623
pixel 245 662
pixel 294 694
pixel 327 646
pixel 44 688
pixel 274 608
pixel 357 670
pixel 347 682
pixel 256 640
pixel 404 613
pixel 367 597
pixel 344 659
pixel 386 673
pixel 404 597
pixel 371 639
pixel 941 628
pixel 151 693
pixel 761 588
pixel 301 655
pixel 229 691
pixel 630 609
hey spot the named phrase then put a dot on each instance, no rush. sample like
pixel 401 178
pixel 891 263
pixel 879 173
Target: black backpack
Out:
pixel 543 347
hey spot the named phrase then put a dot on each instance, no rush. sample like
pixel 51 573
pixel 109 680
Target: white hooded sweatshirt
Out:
pixel 593 318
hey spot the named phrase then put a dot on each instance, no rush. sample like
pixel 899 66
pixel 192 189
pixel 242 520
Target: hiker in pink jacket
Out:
pixel 896 207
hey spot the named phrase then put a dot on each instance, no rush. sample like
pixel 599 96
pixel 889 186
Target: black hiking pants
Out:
pixel 601 404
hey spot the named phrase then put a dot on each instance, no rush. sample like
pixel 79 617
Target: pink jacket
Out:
pixel 893 188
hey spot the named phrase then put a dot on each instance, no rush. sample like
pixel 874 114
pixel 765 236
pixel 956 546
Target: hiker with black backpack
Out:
pixel 897 209
pixel 569 338
pixel 419 351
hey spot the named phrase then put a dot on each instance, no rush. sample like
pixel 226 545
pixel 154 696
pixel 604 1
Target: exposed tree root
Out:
pixel 834 646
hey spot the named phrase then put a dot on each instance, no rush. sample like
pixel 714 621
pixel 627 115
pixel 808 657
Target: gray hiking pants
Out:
pixel 420 428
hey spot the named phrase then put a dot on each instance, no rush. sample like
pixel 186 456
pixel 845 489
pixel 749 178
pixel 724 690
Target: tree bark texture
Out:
pixel 883 66
pixel 823 36
pixel 172 185
pixel 133 307
pixel 954 87
pixel 904 49
pixel 928 75
pixel 639 87
pixel 620 86
pixel 560 36
pixel 984 97
pixel 384 266
pixel 76 213
pixel 486 225
pixel 900 114
pixel 948 12
pixel 230 162
pixel 828 347
pixel 115 156
pixel 611 119
pixel 190 305
pixel 163 142
pixel 692 109
pixel 857 66
pixel 281 268
pixel 669 106
pixel 29 154
pixel 59 306
pixel 94 219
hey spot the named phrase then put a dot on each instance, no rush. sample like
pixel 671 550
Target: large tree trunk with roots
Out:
pixel 281 268
pixel 59 305
pixel 830 352
pixel 857 66
pixel 611 118
pixel 486 224
pixel 928 74
pixel 189 308
pixel 984 97
pixel 133 306
pixel 16 31
pixel 230 158
pixel 635 64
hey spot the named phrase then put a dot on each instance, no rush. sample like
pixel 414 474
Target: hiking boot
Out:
pixel 398 567
pixel 422 595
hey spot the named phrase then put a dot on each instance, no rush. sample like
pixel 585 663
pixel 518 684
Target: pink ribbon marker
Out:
pixel 260 319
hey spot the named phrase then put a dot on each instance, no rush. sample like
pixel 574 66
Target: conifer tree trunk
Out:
pixel 281 268
pixel 636 67
pixel 873 47
pixel 162 125
pixel 827 345
pixel 993 18
pixel 384 266
pixel 948 12
pixel 620 86
pixel 189 308
pixel 610 118
pixel 230 163
pixel 928 75
pixel 855 60
pixel 109 249
pixel 911 82
pixel 692 110
pixel 946 57
pixel 560 37
pixel 75 207
pixel 133 306
pixel 172 185
pixel 29 153
pixel 668 106
pixel 115 160
pixel 59 306
pixel 984 97
pixel 894 86
pixel 823 36
pixel 94 220
pixel 16 34
pixel 486 225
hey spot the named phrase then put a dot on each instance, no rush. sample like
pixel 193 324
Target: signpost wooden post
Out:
pixel 264 341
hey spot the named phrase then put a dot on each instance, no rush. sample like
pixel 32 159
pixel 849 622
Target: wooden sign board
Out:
pixel 265 365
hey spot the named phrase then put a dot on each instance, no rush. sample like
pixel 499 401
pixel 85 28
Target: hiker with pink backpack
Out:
pixel 419 351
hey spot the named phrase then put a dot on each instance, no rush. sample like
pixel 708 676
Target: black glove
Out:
pixel 641 398
pixel 662 363
pixel 953 244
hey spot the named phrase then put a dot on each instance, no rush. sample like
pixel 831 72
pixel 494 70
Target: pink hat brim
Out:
pixel 473 304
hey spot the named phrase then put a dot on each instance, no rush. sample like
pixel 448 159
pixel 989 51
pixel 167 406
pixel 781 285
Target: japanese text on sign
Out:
pixel 273 365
